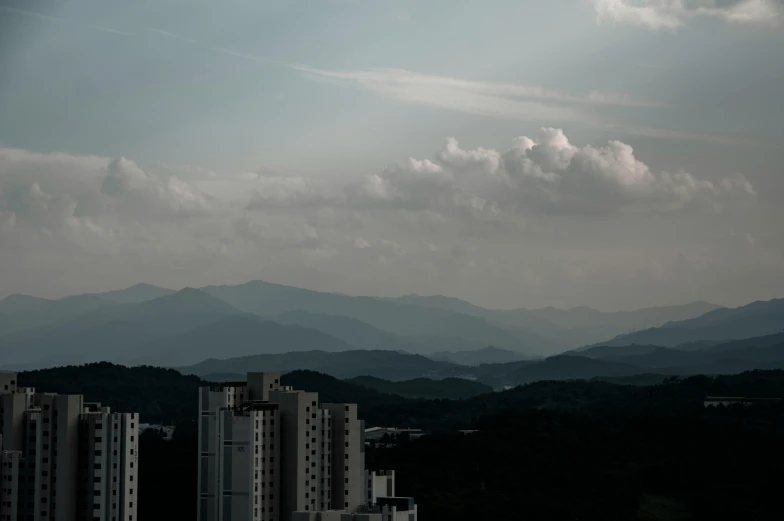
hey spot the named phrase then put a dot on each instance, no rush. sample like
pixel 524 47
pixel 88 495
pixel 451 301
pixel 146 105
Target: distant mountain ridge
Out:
pixel 113 332
pixel 486 355
pixel 448 388
pixel 135 294
pixel 752 320
pixel 266 299
pixel 235 335
pixel 565 328
pixel 150 324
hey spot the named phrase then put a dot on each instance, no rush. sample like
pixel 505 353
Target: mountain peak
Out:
pixel 188 300
pixel 134 294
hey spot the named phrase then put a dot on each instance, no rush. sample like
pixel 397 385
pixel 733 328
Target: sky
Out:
pixel 515 153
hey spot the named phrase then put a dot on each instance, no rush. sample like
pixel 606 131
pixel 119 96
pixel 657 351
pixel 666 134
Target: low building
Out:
pixel 167 431
pixel 715 401
pixel 386 509
pixel 377 433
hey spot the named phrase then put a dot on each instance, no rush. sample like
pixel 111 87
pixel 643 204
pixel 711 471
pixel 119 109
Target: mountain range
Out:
pixel 222 326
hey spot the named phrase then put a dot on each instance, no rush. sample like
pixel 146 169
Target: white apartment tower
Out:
pixel 65 460
pixel 267 451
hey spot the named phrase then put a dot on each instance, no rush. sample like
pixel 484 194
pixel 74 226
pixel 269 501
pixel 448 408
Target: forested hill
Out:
pixel 557 450
pixel 164 395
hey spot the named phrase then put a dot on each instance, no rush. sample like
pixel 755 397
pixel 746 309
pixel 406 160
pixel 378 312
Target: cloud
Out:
pixel 540 175
pixel 503 100
pixel 131 186
pixel 551 173
pixel 271 192
pixel 674 14
pixel 81 199
pixel 425 224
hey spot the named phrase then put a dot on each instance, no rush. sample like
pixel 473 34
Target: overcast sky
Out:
pixel 610 153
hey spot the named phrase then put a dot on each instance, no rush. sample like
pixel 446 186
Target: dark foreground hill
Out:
pixel 390 365
pixel 544 451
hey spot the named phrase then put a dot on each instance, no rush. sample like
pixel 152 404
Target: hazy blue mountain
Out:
pixel 268 299
pixel 559 330
pixel 390 365
pixel 752 320
pixel 579 317
pixel 663 357
pixel 22 313
pixel 570 367
pixel 357 333
pixel 234 336
pixel 16 302
pixel 135 294
pixel 729 357
pixel 754 311
pixel 448 388
pixel 603 351
pixel 546 335
pixel 364 336
pixel 440 302
pixel 486 355
pixel 747 343
pixel 114 332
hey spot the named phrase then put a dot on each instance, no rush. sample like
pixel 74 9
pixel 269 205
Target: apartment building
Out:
pixel 63 459
pixel 267 451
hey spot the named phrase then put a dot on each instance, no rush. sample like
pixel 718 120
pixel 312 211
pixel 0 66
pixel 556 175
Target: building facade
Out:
pixel 63 459
pixel 267 451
